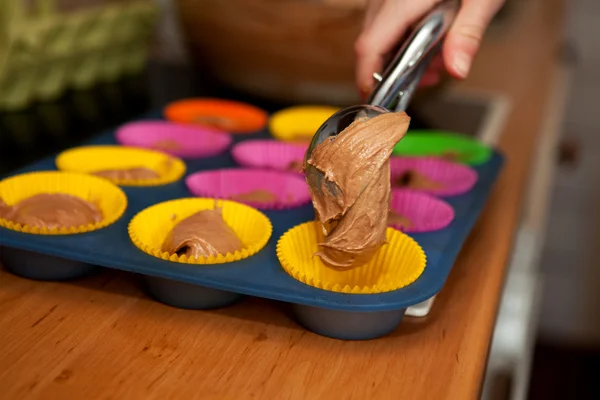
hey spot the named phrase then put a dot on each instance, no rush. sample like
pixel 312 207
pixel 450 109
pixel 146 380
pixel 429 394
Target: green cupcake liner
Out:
pixel 452 146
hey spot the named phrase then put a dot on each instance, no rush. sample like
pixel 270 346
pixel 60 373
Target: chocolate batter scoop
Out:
pixel 356 163
pixel 396 85
pixel 394 91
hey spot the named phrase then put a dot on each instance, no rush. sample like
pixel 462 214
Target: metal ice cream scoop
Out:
pixel 396 86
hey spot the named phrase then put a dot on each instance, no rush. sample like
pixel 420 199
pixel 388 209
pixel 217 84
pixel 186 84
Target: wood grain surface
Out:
pixel 102 338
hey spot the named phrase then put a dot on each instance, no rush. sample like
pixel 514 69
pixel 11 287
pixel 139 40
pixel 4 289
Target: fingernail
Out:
pixel 462 64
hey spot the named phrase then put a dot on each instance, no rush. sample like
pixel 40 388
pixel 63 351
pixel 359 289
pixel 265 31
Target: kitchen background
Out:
pixel 568 331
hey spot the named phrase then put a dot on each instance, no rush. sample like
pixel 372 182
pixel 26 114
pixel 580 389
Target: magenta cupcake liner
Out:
pixel 290 190
pixel 186 141
pixel 270 154
pixel 425 212
pixel 455 178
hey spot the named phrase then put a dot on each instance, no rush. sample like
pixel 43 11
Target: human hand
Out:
pixel 387 21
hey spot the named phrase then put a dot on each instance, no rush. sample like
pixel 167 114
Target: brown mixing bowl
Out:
pixel 297 51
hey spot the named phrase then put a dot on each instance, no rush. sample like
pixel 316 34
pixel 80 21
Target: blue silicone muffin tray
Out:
pixel 338 315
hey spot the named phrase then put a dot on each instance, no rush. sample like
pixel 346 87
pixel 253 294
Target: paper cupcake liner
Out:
pixel 89 159
pixel 149 228
pixel 108 197
pixel 455 178
pixel 176 139
pixel 289 189
pixel 397 264
pixel 270 154
pixel 299 123
pixel 451 146
pixel 224 115
pixel 425 212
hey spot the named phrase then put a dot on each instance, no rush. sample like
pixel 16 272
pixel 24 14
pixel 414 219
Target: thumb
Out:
pixel 465 36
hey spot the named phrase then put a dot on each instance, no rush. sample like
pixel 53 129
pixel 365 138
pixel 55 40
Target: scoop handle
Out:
pixel 401 77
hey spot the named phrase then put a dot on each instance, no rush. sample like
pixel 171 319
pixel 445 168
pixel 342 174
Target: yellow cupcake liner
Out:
pixel 397 264
pixel 90 159
pixel 149 228
pixel 299 122
pixel 108 197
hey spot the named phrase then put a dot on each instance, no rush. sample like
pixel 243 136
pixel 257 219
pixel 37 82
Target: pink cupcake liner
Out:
pixel 289 189
pixel 455 178
pixel 269 154
pixel 425 212
pixel 180 140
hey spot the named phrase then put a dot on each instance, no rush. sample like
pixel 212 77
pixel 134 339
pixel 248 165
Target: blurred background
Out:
pixel 70 69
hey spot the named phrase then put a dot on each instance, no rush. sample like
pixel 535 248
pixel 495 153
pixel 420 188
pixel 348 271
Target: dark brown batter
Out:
pixel 412 179
pixel 399 220
pixel 451 155
pixel 216 121
pixel 203 234
pixel 356 162
pixel 167 144
pixel 295 166
pixel 51 210
pixel 257 196
pixel 137 173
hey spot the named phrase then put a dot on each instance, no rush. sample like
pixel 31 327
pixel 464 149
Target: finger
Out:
pixel 373 7
pixel 386 29
pixel 465 36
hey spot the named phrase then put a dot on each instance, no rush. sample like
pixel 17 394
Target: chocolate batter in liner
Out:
pixel 203 234
pixel 399 220
pixel 136 173
pixel 413 179
pixel 256 196
pixel 51 210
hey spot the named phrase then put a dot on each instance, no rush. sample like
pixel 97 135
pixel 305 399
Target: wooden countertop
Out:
pixel 101 337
